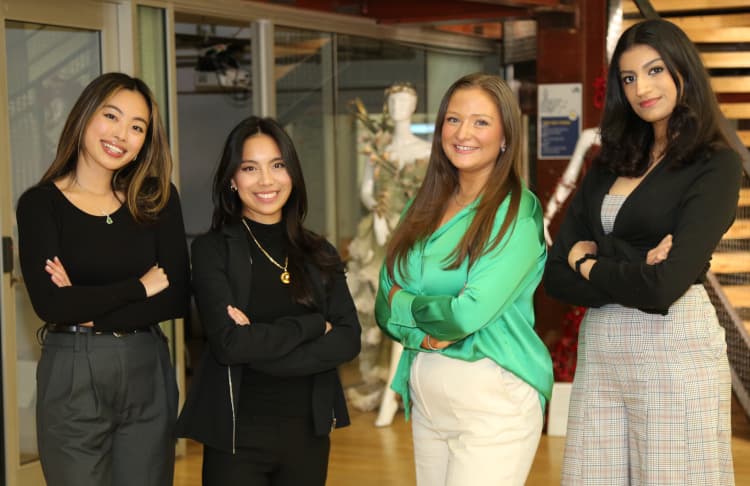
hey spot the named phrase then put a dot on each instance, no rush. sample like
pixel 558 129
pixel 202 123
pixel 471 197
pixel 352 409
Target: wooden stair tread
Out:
pixel 738 295
pixel 735 111
pixel 715 36
pixel 745 139
pixel 731 262
pixel 716 60
pixel 744 196
pixel 707 21
pixel 739 230
pixel 731 84
pixel 681 5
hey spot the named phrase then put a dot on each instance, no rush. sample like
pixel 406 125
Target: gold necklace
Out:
pixel 284 277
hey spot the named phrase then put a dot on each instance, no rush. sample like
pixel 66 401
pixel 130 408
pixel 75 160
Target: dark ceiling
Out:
pixel 481 18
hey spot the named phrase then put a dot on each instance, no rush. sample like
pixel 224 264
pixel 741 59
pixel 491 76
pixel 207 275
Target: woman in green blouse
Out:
pixel 456 290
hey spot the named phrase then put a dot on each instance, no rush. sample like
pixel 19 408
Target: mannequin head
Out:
pixel 401 101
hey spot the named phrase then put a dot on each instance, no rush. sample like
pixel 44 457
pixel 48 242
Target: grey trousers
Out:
pixel 106 410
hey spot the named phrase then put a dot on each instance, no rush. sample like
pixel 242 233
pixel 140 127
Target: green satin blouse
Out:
pixel 488 309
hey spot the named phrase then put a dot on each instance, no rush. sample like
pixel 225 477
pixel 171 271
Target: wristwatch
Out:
pixel 579 262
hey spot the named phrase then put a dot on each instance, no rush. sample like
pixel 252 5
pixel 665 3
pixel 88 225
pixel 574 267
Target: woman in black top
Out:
pixel 278 316
pixel 104 259
pixel 651 395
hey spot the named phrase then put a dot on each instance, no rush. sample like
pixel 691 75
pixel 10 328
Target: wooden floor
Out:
pixel 363 455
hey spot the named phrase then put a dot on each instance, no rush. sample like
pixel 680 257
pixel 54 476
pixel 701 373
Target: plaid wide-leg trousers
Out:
pixel 651 398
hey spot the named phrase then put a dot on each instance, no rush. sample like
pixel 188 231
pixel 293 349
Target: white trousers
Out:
pixel 474 424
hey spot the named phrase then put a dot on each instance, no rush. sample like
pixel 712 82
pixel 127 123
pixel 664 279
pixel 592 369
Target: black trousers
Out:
pixel 275 451
pixel 106 410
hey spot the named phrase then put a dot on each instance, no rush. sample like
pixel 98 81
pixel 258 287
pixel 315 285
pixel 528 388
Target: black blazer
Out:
pixel 696 204
pixel 290 346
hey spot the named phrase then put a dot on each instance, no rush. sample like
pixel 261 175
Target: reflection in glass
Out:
pixel 208 106
pixel 304 105
pixel 51 66
pixel 365 69
pixel 153 55
pixel 153 59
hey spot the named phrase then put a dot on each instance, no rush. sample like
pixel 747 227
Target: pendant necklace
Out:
pixel 108 219
pixel 284 277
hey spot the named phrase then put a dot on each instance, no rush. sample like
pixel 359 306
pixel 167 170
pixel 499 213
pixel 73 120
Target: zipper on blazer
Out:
pixel 333 419
pixel 231 402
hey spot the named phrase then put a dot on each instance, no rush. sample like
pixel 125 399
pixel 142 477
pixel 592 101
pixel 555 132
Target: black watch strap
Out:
pixel 579 262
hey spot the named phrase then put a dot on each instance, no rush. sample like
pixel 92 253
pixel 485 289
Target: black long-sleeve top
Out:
pixel 263 393
pixel 696 204
pixel 104 262
pixel 290 345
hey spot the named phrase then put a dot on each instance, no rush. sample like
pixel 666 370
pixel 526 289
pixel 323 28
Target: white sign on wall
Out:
pixel 560 108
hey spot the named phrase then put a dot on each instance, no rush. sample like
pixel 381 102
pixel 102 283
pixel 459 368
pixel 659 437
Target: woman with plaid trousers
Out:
pixel 651 395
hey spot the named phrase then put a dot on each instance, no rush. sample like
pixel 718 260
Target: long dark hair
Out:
pixel 694 128
pixel 303 244
pixel 146 180
pixel 424 215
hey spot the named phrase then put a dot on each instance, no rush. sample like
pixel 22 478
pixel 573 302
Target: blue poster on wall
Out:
pixel 559 119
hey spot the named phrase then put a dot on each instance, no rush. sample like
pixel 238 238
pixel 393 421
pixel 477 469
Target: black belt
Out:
pixel 78 329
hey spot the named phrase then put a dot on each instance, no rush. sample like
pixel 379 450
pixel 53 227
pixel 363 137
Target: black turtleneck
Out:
pixel 262 394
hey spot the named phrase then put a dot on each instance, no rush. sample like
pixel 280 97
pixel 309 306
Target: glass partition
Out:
pixel 365 68
pixel 51 66
pixel 209 103
pixel 304 105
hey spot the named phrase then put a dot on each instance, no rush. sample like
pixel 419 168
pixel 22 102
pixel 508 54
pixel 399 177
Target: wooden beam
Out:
pixel 714 60
pixel 520 3
pixel 731 84
pixel 661 6
pixel 404 12
pixel 735 111
pixel 488 30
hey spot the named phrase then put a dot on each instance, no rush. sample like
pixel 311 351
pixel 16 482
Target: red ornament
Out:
pixel 565 352
pixel 600 89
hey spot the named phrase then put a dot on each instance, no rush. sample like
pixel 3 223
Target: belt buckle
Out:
pixel 117 334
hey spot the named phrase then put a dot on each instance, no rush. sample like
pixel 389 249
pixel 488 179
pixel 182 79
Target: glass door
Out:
pixel 47 61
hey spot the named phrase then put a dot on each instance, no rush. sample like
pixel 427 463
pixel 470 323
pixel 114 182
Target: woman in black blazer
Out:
pixel 277 313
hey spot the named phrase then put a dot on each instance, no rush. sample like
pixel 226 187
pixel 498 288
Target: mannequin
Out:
pixel 391 177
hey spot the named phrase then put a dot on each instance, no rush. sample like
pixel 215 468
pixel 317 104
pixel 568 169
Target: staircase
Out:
pixel 721 31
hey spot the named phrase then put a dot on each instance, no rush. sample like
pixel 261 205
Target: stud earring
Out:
pixel 233 188
pixel 502 149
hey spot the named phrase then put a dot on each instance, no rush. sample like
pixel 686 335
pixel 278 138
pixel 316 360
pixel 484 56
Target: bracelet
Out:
pixel 429 344
pixel 579 262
